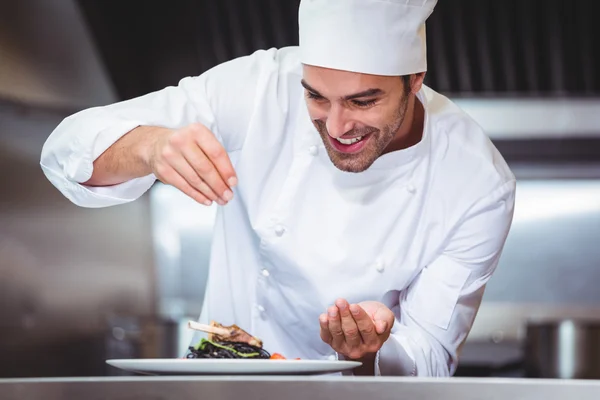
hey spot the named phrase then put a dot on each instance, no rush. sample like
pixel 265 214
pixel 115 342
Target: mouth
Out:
pixel 351 145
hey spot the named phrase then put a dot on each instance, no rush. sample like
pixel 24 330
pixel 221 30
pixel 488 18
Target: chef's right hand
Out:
pixel 192 160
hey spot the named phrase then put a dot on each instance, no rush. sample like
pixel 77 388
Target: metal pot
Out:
pixel 566 349
pixel 134 337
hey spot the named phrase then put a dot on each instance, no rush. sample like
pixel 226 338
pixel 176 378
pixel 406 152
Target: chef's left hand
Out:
pixel 356 331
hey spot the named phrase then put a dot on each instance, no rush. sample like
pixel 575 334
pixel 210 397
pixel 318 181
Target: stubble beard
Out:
pixel 378 142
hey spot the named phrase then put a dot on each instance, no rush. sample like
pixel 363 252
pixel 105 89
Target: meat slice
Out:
pixel 232 333
pixel 220 333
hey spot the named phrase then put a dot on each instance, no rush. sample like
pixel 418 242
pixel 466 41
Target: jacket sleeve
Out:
pixel 212 99
pixel 437 310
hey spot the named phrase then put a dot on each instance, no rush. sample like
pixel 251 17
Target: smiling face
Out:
pixel 358 116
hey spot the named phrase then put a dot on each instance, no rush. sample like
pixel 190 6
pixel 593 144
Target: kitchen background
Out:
pixel 78 286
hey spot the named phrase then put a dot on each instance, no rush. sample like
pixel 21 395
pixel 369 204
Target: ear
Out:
pixel 416 82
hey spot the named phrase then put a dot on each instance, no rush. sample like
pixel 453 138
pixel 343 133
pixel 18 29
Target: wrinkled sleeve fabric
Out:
pixel 438 309
pixel 221 99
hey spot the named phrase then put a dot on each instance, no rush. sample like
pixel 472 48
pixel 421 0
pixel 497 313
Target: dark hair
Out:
pixel 406 81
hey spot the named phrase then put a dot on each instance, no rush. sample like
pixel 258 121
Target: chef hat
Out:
pixel 379 37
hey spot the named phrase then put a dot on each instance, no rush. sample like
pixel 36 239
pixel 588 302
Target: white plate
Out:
pixel 176 366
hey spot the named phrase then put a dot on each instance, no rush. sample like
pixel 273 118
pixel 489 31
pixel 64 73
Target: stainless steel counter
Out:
pixel 292 388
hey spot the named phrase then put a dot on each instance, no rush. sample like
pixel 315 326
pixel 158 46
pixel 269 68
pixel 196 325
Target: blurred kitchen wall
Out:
pixel 78 285
pixel 63 270
pixel 49 59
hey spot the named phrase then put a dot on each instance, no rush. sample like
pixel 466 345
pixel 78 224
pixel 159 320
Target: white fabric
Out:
pixel 379 37
pixel 420 231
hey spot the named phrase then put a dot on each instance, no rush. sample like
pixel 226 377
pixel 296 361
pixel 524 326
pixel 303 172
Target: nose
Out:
pixel 337 123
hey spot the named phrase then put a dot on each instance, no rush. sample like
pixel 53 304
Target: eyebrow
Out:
pixel 364 93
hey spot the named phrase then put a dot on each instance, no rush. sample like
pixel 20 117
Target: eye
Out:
pixel 313 96
pixel 365 103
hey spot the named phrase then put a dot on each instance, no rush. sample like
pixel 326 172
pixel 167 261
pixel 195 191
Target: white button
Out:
pixel 260 308
pixel 411 189
pixel 266 272
pixel 313 150
pixel 332 357
pixel 379 266
pixel 279 230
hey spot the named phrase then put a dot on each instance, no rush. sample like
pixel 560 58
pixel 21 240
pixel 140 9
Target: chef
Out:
pixel 360 213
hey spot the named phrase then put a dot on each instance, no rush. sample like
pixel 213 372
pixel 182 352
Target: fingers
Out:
pixel 216 154
pixel 349 327
pixel 335 327
pixel 206 170
pixel 381 327
pixel 384 320
pixel 325 334
pixel 365 325
pixel 199 159
pixel 183 168
pixel 170 176
pixel 356 330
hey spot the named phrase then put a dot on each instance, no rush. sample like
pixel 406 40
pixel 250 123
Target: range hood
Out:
pixel 476 49
pixel 48 57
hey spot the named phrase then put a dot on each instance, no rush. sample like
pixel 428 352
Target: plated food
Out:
pixel 229 350
pixel 228 342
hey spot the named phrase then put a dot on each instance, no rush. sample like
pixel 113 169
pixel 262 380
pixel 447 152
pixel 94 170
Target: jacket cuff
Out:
pixel 395 358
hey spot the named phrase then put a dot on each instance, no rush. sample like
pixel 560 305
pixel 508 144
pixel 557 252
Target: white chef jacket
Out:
pixel 421 230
